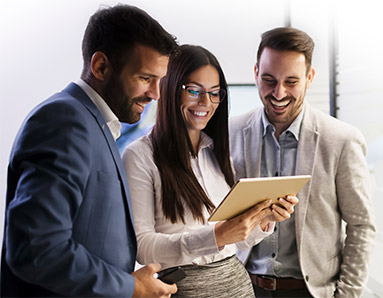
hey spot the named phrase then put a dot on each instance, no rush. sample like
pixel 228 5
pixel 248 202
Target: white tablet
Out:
pixel 248 192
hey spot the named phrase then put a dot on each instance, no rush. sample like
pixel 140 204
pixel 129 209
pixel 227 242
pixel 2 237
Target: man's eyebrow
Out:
pixel 288 78
pixel 147 74
pixel 267 75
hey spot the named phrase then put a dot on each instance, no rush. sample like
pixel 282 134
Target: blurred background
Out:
pixel 40 50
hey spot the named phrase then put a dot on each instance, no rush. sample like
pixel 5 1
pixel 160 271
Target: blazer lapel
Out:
pixel 253 146
pixel 79 94
pixel 117 159
pixel 307 149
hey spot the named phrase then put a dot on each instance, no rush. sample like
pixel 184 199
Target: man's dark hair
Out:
pixel 287 39
pixel 117 30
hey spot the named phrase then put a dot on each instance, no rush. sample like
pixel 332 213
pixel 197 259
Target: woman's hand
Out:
pixel 238 228
pixel 281 211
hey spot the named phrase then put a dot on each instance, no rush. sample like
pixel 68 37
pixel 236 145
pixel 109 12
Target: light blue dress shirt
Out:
pixel 277 254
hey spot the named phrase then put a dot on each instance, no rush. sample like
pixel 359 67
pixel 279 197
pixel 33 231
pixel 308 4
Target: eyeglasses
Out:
pixel 194 93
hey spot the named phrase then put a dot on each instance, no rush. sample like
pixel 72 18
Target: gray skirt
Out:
pixel 224 278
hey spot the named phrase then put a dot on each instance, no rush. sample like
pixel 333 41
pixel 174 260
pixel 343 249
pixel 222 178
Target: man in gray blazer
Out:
pixel 69 223
pixel 310 254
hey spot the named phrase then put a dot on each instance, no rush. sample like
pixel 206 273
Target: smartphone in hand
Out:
pixel 171 275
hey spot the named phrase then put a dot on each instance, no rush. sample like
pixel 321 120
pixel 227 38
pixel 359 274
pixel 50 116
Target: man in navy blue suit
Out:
pixel 68 229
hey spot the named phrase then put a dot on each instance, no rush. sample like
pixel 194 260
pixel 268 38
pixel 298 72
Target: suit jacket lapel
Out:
pixel 79 94
pixel 307 149
pixel 117 159
pixel 253 146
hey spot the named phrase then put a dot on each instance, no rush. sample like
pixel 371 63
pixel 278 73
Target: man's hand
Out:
pixel 281 211
pixel 148 286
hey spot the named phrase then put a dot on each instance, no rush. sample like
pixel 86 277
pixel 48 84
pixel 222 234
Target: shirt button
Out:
pixel 307 278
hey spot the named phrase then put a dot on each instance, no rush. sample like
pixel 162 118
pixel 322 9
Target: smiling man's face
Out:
pixel 282 80
pixel 128 92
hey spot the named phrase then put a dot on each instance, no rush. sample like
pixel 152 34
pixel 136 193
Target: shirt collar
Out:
pixel 206 141
pixel 109 117
pixel 294 128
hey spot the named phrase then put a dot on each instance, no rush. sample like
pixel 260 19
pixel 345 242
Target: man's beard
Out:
pixel 121 103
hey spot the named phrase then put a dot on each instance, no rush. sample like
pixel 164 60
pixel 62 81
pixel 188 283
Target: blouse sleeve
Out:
pixel 144 183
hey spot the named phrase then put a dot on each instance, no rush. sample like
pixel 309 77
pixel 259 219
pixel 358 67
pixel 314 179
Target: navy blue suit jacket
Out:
pixel 68 227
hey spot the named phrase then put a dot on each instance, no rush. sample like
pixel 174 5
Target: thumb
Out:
pixel 153 267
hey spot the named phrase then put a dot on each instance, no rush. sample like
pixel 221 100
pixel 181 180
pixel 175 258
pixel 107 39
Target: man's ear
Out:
pixel 100 66
pixel 310 77
pixel 256 73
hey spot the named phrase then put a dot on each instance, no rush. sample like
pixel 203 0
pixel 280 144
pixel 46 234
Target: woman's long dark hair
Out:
pixel 172 147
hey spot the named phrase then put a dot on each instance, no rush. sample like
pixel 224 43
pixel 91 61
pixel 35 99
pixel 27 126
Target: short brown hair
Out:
pixel 287 39
pixel 115 30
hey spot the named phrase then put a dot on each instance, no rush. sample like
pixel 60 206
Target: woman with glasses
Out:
pixel 181 171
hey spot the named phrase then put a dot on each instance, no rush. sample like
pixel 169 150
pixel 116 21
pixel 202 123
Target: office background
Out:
pixel 40 50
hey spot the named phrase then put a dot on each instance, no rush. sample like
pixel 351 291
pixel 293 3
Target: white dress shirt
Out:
pixel 109 117
pixel 177 244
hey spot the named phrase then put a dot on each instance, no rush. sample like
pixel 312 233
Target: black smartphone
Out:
pixel 171 275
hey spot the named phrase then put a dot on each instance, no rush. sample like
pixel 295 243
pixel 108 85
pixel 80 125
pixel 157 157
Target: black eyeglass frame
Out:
pixel 221 92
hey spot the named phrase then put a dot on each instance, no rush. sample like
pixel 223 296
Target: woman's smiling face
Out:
pixel 197 113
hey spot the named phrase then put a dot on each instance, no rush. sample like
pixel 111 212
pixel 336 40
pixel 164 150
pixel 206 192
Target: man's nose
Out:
pixel 279 91
pixel 154 90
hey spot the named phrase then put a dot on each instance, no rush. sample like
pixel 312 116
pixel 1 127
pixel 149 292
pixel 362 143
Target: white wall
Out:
pixel 360 88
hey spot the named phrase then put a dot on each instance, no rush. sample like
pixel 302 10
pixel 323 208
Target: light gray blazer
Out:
pixel 333 261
